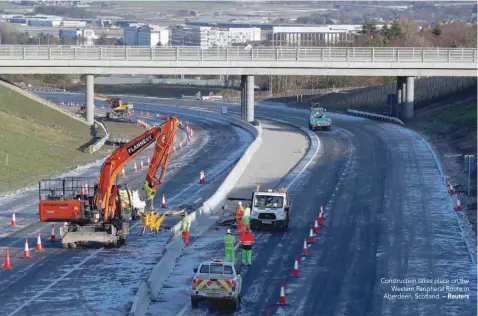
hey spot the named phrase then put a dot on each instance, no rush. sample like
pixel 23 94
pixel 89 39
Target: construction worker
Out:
pixel 246 241
pixel 149 192
pixel 246 218
pixel 229 243
pixel 239 214
pixel 185 226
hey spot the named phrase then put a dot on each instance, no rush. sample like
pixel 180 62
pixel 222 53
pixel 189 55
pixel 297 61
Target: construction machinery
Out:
pixel 92 209
pixel 318 119
pixel 119 109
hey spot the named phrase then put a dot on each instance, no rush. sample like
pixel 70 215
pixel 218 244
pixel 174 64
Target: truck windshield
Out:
pixel 264 201
pixel 215 269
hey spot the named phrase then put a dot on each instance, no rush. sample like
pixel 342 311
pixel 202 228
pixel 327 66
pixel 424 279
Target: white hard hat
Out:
pixel 228 231
pixel 239 203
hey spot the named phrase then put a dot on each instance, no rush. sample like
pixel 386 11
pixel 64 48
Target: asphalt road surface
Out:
pixel 98 281
pixel 389 223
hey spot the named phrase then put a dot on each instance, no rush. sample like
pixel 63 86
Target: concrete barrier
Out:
pixel 141 301
pixel 174 249
pixel 95 147
pixel 374 116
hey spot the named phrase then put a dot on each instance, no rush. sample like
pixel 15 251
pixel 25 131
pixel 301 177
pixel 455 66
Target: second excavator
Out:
pixel 119 109
pixel 91 209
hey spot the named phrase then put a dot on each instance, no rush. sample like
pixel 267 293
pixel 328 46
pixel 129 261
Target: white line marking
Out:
pixel 199 199
pixel 55 282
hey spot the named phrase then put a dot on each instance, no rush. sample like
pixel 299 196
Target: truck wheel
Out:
pixel 72 245
pixel 194 303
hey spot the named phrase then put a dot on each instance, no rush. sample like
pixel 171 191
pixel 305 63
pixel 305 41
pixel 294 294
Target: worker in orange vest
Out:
pixel 246 241
pixel 239 214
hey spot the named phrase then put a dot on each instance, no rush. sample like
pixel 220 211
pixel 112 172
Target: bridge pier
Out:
pixel 410 98
pixel 247 98
pixel 405 98
pixel 90 99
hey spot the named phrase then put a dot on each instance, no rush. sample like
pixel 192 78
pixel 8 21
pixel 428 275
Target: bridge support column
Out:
pixel 90 99
pixel 247 98
pixel 410 99
pixel 398 108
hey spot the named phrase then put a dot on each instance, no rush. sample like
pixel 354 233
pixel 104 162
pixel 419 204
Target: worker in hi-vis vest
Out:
pixel 229 244
pixel 185 226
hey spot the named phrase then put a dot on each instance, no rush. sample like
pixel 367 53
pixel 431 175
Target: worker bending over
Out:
pixel 246 241
pixel 229 244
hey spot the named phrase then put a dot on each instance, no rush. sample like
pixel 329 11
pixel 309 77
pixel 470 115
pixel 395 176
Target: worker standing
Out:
pixel 239 214
pixel 149 192
pixel 229 243
pixel 185 226
pixel 246 218
pixel 246 241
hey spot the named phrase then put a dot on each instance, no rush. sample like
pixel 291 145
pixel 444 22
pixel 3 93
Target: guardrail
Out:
pixel 265 53
pixel 100 143
pixel 227 100
pixel 374 116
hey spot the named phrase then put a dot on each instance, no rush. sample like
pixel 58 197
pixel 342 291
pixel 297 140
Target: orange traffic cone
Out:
pixel 52 236
pixel 180 146
pixel 305 251
pixel 458 202
pixel 135 169
pixel 202 179
pixel 311 239
pixel 148 162
pixel 26 251
pixel 39 246
pixel 282 298
pixel 123 174
pixel 141 166
pixel 187 140
pixel 316 227
pixel 163 203
pixel 295 272
pixel 14 220
pixel 321 218
pixel 191 133
pixel 451 189
pixel 174 148
pixel 6 264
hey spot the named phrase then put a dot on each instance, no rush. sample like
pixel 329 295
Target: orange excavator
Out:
pixel 120 109
pixel 92 210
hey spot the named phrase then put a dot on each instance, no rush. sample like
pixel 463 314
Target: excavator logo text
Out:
pixel 140 144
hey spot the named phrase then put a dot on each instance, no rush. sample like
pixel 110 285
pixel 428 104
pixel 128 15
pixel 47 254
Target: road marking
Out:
pixel 186 307
pixel 199 199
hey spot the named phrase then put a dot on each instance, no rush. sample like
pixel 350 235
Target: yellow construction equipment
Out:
pixel 120 109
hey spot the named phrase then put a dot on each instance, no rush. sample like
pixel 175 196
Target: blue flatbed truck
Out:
pixel 318 119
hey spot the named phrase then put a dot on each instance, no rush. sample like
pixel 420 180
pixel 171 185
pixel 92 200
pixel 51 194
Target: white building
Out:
pixel 141 35
pixel 313 35
pixel 206 36
pixel 87 36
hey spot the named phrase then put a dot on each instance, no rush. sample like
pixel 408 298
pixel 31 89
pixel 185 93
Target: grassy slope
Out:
pixel 38 141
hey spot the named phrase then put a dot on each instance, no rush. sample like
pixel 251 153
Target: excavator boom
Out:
pixel 91 207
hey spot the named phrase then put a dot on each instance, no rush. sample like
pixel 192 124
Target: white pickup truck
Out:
pixel 216 281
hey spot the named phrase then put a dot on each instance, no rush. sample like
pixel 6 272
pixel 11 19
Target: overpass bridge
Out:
pixel 405 63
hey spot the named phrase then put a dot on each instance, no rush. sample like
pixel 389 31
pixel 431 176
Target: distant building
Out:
pixel 73 23
pixel 142 35
pixel 85 37
pixel 205 36
pixel 313 35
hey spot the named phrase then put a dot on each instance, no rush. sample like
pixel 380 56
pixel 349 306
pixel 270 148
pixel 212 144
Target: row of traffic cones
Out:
pixel 452 191
pixel 26 251
pixel 314 230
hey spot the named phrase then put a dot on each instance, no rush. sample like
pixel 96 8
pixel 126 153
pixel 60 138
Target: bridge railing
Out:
pixel 277 54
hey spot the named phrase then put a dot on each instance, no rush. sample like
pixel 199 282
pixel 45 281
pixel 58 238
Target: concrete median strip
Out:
pixel 376 116
pixel 174 249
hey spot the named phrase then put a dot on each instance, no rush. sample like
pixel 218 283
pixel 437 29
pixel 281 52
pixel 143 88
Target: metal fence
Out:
pixel 279 54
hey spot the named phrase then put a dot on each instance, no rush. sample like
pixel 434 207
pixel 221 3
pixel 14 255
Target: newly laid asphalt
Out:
pixel 389 221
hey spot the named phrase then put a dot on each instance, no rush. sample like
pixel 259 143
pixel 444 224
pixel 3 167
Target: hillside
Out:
pixel 37 141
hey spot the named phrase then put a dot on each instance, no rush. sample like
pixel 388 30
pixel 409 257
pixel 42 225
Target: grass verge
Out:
pixel 37 141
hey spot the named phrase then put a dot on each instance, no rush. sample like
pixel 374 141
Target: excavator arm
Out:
pixel 163 137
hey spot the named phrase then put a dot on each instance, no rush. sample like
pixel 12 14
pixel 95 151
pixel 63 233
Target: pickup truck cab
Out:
pixel 270 209
pixel 216 281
